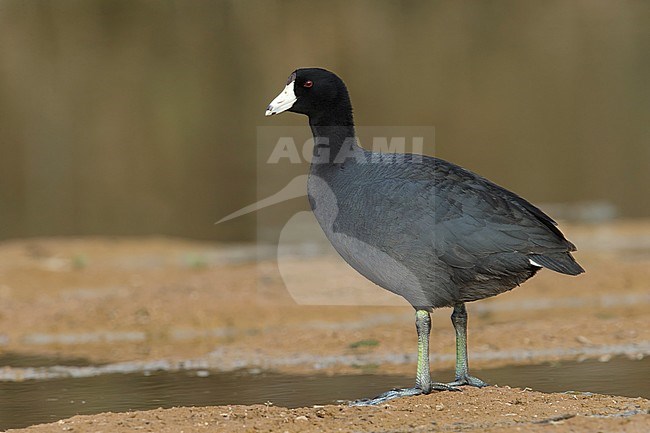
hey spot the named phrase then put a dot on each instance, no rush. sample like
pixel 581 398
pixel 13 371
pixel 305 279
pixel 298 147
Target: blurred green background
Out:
pixel 139 117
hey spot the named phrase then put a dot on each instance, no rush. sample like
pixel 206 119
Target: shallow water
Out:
pixel 39 401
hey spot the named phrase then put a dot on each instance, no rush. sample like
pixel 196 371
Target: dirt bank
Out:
pixel 486 410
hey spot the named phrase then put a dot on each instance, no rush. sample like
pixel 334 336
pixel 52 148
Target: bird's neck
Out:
pixel 334 137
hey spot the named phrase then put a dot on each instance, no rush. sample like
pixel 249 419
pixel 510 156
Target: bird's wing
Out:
pixel 464 217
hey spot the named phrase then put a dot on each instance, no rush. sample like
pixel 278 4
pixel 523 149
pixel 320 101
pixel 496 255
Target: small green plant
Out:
pixel 364 343
pixel 366 368
pixel 196 261
pixel 79 261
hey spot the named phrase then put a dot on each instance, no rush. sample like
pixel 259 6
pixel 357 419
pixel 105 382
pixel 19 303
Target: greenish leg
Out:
pixel 459 320
pixel 423 384
pixel 423 375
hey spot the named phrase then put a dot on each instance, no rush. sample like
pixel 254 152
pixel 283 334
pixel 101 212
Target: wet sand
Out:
pixel 176 302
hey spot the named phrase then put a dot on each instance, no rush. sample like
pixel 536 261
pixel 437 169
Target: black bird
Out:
pixel 421 227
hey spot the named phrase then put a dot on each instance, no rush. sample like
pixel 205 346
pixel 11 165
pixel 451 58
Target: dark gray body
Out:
pixel 431 231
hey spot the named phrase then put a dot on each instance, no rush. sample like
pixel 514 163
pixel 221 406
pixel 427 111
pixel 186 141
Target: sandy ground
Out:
pixel 146 300
pixel 486 410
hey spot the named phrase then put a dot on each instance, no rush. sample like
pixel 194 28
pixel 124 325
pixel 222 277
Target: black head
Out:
pixel 314 92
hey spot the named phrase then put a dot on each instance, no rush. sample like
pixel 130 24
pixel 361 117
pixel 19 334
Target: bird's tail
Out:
pixel 563 263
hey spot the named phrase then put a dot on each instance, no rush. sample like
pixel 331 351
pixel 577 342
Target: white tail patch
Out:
pixel 535 263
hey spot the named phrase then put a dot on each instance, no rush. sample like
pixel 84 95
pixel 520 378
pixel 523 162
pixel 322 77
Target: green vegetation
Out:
pixel 364 343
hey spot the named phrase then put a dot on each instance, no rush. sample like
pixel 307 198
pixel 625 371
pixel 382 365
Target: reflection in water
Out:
pixel 31 402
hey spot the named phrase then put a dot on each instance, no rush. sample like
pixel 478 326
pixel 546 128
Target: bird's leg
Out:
pixel 423 384
pixel 422 374
pixel 459 320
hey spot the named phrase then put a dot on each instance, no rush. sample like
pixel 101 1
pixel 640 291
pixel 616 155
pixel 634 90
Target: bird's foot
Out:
pixel 402 392
pixel 437 386
pixel 388 395
pixel 468 380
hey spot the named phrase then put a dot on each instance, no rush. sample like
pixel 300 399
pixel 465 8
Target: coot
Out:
pixel 423 228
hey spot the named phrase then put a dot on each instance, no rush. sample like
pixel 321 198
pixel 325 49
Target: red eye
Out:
pixel 308 84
